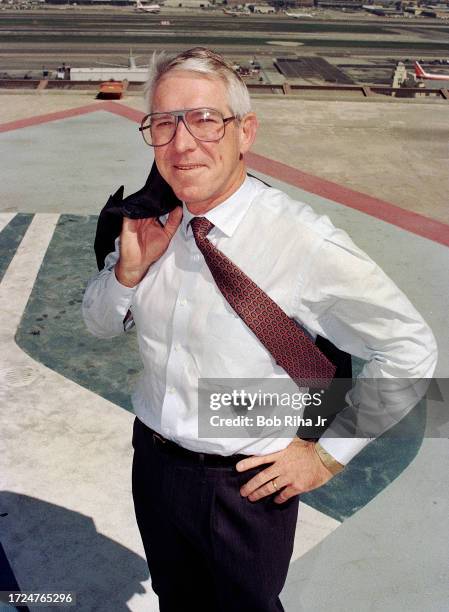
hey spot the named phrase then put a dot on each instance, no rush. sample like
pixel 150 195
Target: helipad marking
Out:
pixel 117 109
pixel 59 422
pixel 11 235
pixel 395 215
pixel 48 397
pixel 5 218
pixel 58 389
pixel 21 274
pixel 413 222
pixel 38 119
pixel 313 526
pixel 380 209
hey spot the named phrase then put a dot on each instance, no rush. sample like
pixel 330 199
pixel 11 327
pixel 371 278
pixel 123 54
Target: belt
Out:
pixel 207 459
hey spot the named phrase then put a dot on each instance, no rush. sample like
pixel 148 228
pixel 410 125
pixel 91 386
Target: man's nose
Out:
pixel 183 139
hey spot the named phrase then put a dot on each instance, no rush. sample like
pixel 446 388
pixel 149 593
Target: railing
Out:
pixel 366 91
pixel 363 90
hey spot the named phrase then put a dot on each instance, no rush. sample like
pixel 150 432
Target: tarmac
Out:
pixel 372 539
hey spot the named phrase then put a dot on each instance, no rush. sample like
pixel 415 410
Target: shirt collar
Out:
pixel 227 215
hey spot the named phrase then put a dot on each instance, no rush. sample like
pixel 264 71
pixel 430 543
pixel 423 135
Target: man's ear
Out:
pixel 248 130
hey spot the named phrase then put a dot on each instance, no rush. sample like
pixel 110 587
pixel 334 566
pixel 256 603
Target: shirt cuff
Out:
pixel 343 449
pixel 119 294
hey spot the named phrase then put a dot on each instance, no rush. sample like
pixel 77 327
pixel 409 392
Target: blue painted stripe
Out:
pixel 10 238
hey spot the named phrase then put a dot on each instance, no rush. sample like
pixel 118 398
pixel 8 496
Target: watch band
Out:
pixel 328 461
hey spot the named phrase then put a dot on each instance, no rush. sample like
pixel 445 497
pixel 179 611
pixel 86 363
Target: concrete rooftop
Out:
pixel 375 538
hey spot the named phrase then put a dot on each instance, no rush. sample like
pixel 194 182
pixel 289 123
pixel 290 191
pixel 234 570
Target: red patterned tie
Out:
pixel 288 344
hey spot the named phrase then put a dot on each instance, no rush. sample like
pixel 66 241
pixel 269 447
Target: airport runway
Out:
pixel 81 36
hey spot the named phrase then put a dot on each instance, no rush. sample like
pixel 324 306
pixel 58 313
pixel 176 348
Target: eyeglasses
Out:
pixel 205 124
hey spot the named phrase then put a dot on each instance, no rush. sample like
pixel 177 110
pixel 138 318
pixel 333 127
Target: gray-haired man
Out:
pixel 217 516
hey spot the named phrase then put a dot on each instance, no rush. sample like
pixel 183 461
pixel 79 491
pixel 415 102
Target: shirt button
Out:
pixel 196 257
pixel 171 390
pixel 183 301
pixel 177 347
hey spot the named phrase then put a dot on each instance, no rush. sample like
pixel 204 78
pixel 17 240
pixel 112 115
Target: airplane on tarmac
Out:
pixel 379 10
pixel 146 8
pixel 427 76
pixel 299 15
pixel 235 13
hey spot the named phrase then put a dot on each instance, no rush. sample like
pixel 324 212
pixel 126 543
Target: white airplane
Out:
pixel 379 10
pixel 235 13
pixel 427 76
pixel 147 8
pixel 299 15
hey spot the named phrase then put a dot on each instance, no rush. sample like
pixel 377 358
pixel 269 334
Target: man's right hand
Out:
pixel 142 242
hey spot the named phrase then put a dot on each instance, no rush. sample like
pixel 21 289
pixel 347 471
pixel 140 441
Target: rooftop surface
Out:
pixel 376 536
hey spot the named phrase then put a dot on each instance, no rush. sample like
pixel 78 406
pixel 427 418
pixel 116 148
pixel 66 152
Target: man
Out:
pixel 217 515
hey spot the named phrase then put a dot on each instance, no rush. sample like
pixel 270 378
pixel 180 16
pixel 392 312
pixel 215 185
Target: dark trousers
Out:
pixel 207 547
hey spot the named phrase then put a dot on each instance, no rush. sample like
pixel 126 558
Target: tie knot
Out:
pixel 201 227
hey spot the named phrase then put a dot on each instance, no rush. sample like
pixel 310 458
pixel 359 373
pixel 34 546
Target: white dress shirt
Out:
pixel 187 330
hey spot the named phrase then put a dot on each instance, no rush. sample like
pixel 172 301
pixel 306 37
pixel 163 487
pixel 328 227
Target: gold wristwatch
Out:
pixel 328 461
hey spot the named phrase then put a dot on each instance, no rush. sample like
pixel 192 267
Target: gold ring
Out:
pixel 273 482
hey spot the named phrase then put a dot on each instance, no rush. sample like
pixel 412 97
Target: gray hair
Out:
pixel 207 63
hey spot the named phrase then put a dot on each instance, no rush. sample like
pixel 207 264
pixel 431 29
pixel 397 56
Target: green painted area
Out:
pixel 373 469
pixel 10 238
pixel 52 330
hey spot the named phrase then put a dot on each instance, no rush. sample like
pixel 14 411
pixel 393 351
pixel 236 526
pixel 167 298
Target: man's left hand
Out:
pixel 295 469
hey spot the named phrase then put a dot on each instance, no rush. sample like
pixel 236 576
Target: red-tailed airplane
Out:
pixel 421 74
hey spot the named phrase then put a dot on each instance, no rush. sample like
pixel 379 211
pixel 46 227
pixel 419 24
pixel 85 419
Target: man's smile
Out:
pixel 188 166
